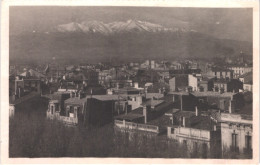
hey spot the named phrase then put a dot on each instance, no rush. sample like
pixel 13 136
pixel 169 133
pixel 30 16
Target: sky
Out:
pixel 225 23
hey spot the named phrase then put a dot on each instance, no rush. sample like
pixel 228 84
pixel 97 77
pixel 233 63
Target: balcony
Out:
pixel 137 126
pixel 64 119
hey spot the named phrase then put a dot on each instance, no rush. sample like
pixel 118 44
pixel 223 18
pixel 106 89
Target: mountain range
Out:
pixel 97 41
pixel 114 27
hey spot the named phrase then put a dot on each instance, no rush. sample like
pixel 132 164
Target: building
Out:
pixel 25 85
pixel 181 81
pixel 91 77
pixel 149 119
pixel 183 100
pixel 228 101
pixel 93 110
pixel 236 133
pixel 247 81
pixel 240 70
pixel 226 85
pixel 104 77
pixel 222 73
pixel 172 73
pixel 205 85
pixel 197 132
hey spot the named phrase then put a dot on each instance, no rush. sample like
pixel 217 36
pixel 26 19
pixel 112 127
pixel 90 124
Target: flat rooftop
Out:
pixel 76 100
pixel 213 94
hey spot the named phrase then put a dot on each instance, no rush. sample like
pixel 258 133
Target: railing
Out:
pixel 137 126
pixel 65 119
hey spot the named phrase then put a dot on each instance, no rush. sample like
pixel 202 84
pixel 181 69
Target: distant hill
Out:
pixel 95 42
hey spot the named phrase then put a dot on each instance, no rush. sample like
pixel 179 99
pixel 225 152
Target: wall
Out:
pixel 98 112
pixel 172 84
pixel 193 82
pixel 136 102
pixel 195 139
pixel 241 131
pixel 248 87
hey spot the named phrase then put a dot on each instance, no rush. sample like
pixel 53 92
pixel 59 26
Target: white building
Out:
pixel 193 82
pixel 240 70
pixel 236 132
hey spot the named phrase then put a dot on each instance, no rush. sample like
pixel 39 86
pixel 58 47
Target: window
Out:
pixel 184 142
pixel 234 140
pixel 51 109
pixel 172 130
pixel 195 147
pixel 234 146
pixel 204 150
pixel 248 142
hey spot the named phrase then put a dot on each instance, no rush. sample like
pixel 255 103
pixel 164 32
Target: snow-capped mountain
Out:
pixel 115 27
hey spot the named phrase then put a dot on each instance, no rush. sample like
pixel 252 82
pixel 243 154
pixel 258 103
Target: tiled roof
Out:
pixel 153 102
pixel 186 114
pixel 130 116
pixel 161 121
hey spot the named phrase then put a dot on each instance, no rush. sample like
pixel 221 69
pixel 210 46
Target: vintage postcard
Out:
pixel 142 81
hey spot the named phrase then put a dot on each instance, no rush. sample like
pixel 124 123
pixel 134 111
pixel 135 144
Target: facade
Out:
pixel 95 110
pixel 181 81
pixel 247 81
pixel 193 82
pixel 223 85
pixel 25 85
pixel 240 70
pixel 228 101
pixel 236 132
pixel 148 119
pixel 104 76
pixel 195 131
pixel 220 73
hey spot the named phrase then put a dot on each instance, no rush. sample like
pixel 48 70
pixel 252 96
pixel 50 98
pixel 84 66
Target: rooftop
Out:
pixel 186 114
pixel 129 117
pixel 161 121
pixel 153 103
pixel 76 100
pixel 248 78
pixel 179 93
pixel 213 94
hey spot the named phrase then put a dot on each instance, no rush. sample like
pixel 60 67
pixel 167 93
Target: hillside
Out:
pixel 96 47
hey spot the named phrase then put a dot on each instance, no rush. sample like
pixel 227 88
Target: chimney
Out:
pixel 215 128
pixel 183 121
pixel 145 114
pixel 136 85
pixel 71 94
pixel 230 107
pixel 196 111
pixel 80 95
pixel 19 92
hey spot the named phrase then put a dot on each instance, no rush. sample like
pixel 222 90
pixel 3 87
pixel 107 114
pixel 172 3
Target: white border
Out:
pixel 149 3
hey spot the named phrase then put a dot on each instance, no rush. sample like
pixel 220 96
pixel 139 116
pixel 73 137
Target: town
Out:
pixel 203 106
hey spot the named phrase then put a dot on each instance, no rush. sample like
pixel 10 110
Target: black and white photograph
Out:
pixel 131 82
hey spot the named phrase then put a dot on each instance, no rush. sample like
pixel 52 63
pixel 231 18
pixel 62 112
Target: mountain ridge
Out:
pixel 115 27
